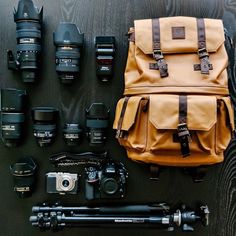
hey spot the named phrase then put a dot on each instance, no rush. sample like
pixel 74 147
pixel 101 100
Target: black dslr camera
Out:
pixel 12 117
pixel 68 41
pixel 28 35
pixel 109 181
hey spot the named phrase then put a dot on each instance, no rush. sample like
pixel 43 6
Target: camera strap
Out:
pixel 74 159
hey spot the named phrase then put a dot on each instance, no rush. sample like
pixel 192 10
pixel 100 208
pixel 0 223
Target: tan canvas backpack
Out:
pixel 176 109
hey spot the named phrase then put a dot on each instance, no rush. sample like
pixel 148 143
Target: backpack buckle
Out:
pixel 157 54
pixel 184 139
pixel 202 52
pixel 161 63
pixel 204 60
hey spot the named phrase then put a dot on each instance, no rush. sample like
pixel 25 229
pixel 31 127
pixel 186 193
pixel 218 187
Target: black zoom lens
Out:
pixel 12 116
pixel 28 34
pixel 44 127
pixel 68 41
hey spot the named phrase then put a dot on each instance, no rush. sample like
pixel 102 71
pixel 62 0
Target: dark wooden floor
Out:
pixel 107 17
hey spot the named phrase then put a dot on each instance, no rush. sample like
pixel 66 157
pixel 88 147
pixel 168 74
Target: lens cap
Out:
pixel 23 173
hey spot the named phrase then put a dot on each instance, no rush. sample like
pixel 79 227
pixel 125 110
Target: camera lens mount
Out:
pixel 109 186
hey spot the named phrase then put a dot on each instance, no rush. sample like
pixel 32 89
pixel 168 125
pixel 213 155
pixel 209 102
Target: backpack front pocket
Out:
pixel 131 123
pixel 200 126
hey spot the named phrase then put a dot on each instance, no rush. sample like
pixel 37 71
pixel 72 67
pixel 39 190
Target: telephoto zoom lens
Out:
pixel 12 102
pixel 68 41
pixel 44 124
pixel 28 35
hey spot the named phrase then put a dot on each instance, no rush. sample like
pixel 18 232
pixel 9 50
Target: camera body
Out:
pixel 62 183
pixel 106 182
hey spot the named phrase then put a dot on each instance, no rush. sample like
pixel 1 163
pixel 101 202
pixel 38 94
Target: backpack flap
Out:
pixel 172 54
pixel 178 35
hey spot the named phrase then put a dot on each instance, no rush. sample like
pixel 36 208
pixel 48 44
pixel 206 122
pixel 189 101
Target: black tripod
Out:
pixel 159 216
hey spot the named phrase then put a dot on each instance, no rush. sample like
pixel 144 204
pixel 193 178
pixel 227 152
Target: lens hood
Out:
pixel 68 34
pixel 27 11
pixel 44 114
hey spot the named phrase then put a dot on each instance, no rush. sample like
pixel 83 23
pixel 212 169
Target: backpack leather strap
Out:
pixel 197 173
pixel 202 51
pixel 182 129
pixel 119 133
pixel 157 53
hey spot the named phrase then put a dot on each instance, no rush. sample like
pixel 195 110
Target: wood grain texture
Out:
pixel 107 17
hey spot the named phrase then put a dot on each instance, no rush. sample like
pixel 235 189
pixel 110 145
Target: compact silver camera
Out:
pixel 62 183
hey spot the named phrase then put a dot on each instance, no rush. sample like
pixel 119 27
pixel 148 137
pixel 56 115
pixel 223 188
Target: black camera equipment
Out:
pixel 74 159
pixel 97 116
pixel 12 102
pixel 159 216
pixel 72 134
pixel 44 119
pixel 23 173
pixel 68 41
pixel 107 181
pixel 28 34
pixel 105 51
pixel 62 183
